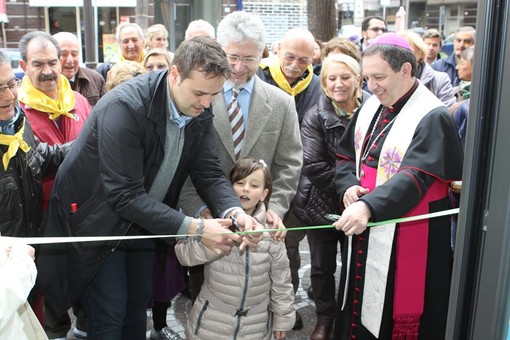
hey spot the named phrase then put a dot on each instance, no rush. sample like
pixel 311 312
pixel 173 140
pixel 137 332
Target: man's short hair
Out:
pixel 395 56
pixel 199 25
pixel 43 37
pixel 433 34
pixel 128 24
pixel 203 54
pixel 467 29
pixel 366 22
pixel 4 58
pixel 239 26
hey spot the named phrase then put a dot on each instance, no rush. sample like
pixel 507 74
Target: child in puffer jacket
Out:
pixel 246 294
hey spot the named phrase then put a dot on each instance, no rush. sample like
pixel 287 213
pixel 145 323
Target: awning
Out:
pixel 3 12
pixel 79 3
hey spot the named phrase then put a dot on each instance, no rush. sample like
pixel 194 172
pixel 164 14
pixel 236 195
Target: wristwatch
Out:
pixel 235 225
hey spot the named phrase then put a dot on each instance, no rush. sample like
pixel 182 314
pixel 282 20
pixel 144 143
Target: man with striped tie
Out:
pixel 251 118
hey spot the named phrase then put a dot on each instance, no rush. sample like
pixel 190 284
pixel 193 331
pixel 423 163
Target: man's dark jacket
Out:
pixel 108 173
pixel 20 184
pixel 90 84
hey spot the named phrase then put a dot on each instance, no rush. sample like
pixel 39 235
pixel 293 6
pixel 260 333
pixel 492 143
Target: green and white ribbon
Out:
pixel 54 240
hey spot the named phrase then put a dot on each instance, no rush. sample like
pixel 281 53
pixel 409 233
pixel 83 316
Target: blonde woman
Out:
pixel 339 45
pixel 323 126
pixel 156 36
pixel 157 59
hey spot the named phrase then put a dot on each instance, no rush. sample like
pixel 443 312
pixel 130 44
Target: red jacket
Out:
pixel 48 132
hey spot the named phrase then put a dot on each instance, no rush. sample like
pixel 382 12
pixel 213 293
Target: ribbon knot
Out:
pixel 14 143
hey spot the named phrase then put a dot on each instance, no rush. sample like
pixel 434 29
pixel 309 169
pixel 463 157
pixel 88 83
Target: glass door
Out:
pixel 181 14
pixel 480 295
pixel 62 19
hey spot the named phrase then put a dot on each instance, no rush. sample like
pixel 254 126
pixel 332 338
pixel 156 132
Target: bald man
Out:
pixel 292 72
pixel 87 82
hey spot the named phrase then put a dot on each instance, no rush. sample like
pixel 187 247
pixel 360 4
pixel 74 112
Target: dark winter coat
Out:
pixel 108 174
pixel 20 183
pixel 321 131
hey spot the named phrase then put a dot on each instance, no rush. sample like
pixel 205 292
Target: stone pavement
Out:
pixel 176 317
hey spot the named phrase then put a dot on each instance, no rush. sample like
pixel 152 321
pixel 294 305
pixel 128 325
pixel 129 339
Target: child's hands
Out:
pixel 279 334
pixel 249 223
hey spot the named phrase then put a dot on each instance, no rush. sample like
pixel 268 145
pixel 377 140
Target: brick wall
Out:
pixel 22 19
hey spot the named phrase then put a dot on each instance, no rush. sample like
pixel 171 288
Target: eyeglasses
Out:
pixel 291 57
pixel 11 86
pixel 377 29
pixel 234 59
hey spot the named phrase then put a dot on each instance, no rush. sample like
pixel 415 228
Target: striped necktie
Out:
pixel 236 122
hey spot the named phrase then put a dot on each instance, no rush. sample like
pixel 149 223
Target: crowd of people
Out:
pixel 215 143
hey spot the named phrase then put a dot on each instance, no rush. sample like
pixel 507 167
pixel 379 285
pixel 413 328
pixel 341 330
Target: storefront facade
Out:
pixel 30 15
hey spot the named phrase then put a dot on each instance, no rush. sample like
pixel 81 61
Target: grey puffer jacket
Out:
pixel 245 295
pixel 438 83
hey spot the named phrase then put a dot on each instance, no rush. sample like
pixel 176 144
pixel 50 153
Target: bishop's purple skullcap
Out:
pixel 394 39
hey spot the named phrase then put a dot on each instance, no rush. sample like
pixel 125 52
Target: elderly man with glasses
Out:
pixel 25 162
pixel 267 122
pixel 292 72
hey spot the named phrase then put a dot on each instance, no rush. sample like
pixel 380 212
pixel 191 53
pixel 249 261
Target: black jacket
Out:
pixel 20 183
pixel 108 174
pixel 321 131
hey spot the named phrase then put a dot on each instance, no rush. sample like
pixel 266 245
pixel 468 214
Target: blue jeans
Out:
pixel 117 297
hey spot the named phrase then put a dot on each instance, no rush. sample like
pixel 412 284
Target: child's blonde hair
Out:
pixel 122 72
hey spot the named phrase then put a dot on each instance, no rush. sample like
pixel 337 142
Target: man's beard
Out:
pixel 238 84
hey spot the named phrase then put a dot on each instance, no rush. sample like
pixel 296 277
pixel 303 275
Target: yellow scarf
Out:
pixel 34 98
pixel 13 143
pixel 281 81
pixel 142 56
